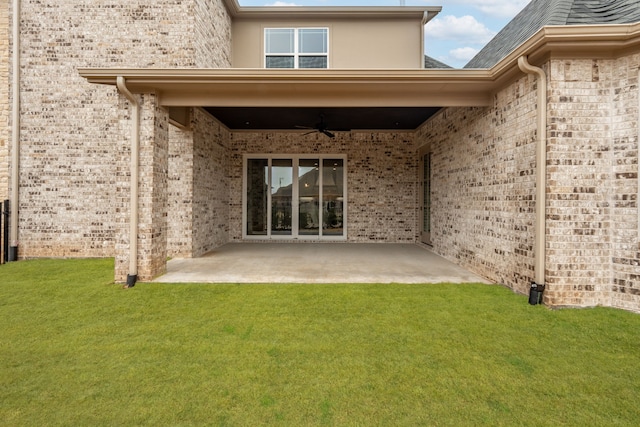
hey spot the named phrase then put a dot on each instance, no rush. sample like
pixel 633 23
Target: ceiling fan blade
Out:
pixel 329 134
pixel 309 133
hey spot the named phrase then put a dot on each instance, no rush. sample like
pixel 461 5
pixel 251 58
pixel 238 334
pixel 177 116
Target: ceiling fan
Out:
pixel 321 127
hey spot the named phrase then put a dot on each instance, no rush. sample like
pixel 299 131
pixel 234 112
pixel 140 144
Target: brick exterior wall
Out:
pixel 198 213
pixel 71 140
pixel 483 184
pixel 211 195
pixel 593 182
pixel 625 220
pixel 212 34
pixel 180 193
pixel 382 177
pixel 5 65
pixel 153 194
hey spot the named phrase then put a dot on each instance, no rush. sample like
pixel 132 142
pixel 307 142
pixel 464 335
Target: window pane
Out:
pixel 332 197
pixel 308 190
pixel 313 40
pixel 279 40
pixel 281 192
pixel 312 62
pixel 257 187
pixel 279 61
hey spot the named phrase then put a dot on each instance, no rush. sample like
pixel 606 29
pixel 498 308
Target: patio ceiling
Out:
pixel 336 118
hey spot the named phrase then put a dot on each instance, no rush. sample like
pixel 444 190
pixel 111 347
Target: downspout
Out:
pixel 541 173
pixel 15 136
pixel 132 275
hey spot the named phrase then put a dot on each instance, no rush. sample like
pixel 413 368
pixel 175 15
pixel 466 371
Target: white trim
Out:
pixel 295 236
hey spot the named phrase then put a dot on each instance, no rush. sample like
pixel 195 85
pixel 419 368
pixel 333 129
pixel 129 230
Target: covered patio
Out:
pixel 317 263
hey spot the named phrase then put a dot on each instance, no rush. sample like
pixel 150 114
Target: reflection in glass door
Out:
pixel 291 197
pixel 281 197
pixel 257 197
pixel 332 197
pixel 308 197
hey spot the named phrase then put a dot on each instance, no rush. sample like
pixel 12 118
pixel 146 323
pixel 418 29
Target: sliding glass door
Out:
pixel 291 197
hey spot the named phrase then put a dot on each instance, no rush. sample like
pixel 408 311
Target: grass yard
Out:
pixel 77 350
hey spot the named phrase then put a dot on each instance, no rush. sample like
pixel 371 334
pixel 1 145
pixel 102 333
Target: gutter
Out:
pixel 15 135
pixel 541 172
pixel 132 275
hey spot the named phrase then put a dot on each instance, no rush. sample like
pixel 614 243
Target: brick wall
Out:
pixel 593 180
pixel 72 130
pixel 579 161
pixel 180 193
pixel 625 218
pixel 382 175
pixel 211 184
pixel 212 31
pixel 4 99
pixel 483 184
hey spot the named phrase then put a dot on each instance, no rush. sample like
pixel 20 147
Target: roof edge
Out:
pixel 425 13
pixel 570 41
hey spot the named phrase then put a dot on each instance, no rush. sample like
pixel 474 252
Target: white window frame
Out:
pixel 296 51
pixel 295 197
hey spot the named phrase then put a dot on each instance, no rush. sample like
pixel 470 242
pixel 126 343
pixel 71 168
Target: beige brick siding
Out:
pixel 579 158
pixel 593 180
pixel 382 170
pixel 72 130
pixel 153 199
pixel 198 213
pixel 211 190
pixel 483 183
pixel 212 38
pixel 625 93
pixel 4 100
pixel 180 193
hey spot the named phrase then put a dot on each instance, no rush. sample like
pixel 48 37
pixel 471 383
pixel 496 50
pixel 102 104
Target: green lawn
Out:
pixel 77 350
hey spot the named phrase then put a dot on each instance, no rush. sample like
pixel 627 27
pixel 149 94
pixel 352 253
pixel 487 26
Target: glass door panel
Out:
pixel 281 197
pixel 257 196
pixel 332 197
pixel 295 197
pixel 308 197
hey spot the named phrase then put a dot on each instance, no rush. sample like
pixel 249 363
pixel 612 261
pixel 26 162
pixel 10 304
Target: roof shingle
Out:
pixel 540 13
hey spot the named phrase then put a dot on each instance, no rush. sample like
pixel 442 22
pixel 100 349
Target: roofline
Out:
pixel 425 13
pixel 369 87
pixel 289 88
pixel 572 41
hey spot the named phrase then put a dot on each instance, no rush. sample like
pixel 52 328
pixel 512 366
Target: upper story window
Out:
pixel 296 47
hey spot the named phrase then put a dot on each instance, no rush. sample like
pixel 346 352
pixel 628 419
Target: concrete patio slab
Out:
pixel 317 263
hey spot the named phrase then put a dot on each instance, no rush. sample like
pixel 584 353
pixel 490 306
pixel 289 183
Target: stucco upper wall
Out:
pixel 353 43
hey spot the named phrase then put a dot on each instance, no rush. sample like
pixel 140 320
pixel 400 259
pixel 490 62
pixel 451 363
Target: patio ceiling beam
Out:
pixel 300 88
